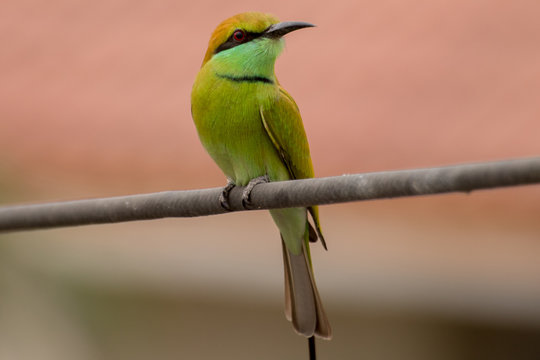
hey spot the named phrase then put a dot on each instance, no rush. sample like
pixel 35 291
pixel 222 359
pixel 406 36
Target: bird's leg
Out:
pixel 224 196
pixel 246 195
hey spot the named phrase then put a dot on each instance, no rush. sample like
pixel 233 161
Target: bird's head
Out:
pixel 248 43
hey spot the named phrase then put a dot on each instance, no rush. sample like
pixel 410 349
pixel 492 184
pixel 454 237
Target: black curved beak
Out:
pixel 278 30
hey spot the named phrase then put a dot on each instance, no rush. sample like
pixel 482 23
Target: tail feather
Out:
pixel 288 285
pixel 303 305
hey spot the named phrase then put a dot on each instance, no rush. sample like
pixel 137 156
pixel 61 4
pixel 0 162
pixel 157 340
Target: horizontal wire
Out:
pixel 295 193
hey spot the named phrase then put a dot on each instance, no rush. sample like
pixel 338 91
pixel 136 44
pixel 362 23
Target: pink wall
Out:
pixel 96 94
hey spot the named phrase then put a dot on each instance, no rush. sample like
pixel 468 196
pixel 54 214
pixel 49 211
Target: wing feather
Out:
pixel 283 124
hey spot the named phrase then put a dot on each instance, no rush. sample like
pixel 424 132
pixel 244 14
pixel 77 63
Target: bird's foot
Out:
pixel 246 195
pixel 224 196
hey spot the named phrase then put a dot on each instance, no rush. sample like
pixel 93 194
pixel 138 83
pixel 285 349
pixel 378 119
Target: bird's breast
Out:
pixel 227 116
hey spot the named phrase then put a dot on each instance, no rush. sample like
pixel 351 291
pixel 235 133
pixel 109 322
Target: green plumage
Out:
pixel 252 127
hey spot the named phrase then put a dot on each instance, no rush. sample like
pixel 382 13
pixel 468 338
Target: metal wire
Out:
pixel 319 191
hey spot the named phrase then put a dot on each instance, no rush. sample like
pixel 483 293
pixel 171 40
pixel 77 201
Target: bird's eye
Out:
pixel 239 35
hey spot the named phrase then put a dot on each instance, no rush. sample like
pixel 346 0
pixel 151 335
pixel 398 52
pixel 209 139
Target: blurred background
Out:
pixel 94 102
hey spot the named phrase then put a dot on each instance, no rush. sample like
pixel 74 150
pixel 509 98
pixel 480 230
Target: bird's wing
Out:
pixel 284 126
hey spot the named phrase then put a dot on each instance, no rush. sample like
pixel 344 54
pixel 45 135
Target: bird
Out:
pixel 251 127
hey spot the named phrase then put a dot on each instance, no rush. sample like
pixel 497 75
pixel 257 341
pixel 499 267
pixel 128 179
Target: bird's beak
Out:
pixel 278 30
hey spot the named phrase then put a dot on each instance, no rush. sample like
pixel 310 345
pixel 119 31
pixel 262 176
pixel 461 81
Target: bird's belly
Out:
pixel 238 143
pixel 242 156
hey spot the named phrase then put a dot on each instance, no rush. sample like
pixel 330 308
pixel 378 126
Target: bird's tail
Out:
pixel 303 304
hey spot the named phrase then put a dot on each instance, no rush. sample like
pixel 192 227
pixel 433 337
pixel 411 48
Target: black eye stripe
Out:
pixel 230 43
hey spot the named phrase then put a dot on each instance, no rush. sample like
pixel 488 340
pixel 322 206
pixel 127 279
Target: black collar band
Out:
pixel 247 78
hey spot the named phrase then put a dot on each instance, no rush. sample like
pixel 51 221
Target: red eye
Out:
pixel 239 35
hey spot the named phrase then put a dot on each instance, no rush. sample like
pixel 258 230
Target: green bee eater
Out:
pixel 252 129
